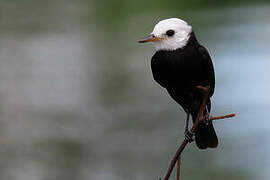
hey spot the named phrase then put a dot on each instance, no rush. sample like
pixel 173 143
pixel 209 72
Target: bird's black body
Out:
pixel 180 71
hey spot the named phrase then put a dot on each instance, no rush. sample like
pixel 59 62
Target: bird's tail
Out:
pixel 205 135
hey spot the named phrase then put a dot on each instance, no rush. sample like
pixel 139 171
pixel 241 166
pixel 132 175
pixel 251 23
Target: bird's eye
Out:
pixel 170 32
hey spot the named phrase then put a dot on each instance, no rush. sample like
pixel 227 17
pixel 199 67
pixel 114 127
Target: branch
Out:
pixel 222 117
pixel 178 168
pixel 184 143
pixel 192 130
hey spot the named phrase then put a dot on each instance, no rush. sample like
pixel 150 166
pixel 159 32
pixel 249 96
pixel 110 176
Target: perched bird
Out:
pixel 180 64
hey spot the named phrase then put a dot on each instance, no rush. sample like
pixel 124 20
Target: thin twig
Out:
pixel 195 124
pixel 178 168
pixel 222 117
pixel 177 155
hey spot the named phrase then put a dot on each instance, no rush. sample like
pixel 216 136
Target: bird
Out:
pixel 181 64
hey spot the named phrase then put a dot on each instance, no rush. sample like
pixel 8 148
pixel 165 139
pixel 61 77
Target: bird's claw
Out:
pixel 189 136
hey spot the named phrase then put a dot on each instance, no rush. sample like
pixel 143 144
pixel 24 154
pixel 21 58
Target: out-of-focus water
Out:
pixel 77 98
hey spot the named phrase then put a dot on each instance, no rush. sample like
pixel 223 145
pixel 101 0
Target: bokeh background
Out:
pixel 78 101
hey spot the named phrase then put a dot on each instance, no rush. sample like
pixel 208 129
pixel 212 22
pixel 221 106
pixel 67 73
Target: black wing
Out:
pixel 208 68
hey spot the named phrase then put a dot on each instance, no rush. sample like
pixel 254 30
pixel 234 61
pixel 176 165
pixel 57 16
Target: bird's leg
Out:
pixel 187 122
pixel 207 117
pixel 189 135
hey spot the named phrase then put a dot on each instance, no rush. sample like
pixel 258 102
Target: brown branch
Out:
pixel 192 130
pixel 184 143
pixel 222 117
pixel 178 168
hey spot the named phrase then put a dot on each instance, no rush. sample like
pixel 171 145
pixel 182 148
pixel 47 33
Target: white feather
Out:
pixel 178 40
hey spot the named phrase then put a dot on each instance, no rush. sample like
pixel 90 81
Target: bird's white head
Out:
pixel 169 34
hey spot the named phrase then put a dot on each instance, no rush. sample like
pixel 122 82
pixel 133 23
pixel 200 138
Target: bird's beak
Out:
pixel 150 38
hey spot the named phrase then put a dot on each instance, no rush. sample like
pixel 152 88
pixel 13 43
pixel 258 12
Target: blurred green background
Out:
pixel 78 101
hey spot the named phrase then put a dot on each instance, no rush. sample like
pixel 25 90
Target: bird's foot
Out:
pixel 189 136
